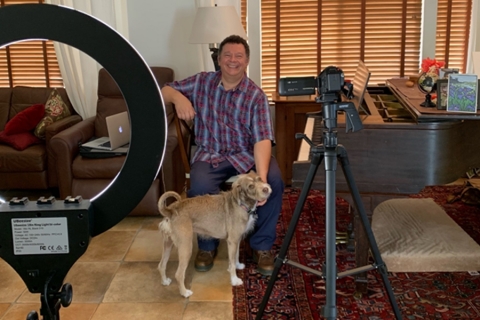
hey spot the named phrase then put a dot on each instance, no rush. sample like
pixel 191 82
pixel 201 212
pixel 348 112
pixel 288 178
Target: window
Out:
pixel 243 14
pixel 29 63
pixel 301 38
pixel 453 32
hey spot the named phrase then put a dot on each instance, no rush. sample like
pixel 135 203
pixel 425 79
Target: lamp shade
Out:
pixel 213 24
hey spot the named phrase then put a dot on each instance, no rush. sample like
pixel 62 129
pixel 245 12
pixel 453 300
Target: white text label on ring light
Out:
pixel 40 236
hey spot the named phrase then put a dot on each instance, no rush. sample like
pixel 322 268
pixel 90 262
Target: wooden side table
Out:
pixel 290 118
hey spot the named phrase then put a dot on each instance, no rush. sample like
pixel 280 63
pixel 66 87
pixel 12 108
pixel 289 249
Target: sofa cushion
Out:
pixel 55 109
pixel 25 120
pixel 33 159
pixel 19 141
pixel 24 97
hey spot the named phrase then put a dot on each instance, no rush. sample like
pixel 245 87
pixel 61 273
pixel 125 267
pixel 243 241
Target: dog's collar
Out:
pixel 251 210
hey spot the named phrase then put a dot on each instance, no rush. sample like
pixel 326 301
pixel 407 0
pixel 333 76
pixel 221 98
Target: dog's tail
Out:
pixel 162 206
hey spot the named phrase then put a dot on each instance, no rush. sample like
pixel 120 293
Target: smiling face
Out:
pixel 233 61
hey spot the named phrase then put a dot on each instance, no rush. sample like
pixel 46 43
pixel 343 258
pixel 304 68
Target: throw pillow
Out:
pixel 55 109
pixel 19 141
pixel 26 120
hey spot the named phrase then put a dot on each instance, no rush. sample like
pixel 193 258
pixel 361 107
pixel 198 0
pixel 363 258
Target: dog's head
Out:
pixel 249 189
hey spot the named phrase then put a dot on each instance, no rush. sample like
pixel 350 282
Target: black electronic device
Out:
pixel 297 86
pixel 330 80
pixel 329 84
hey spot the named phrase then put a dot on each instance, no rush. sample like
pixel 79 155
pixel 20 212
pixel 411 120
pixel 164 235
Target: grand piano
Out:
pixel 402 148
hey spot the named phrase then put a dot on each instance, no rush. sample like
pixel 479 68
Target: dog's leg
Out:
pixel 240 266
pixel 184 246
pixel 232 258
pixel 162 266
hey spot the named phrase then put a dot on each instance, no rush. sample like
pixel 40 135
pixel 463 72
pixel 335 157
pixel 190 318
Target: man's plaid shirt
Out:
pixel 227 123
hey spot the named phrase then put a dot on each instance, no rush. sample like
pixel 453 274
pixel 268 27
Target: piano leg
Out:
pixel 361 253
pixel 361 244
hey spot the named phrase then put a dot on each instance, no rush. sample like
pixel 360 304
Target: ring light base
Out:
pixel 41 242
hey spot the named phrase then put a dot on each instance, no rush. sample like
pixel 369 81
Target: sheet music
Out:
pixel 360 83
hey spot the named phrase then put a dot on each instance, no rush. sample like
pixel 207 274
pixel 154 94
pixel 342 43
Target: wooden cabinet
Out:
pixel 290 118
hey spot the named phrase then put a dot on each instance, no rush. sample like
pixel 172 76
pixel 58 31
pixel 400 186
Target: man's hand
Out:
pixel 261 203
pixel 264 179
pixel 183 106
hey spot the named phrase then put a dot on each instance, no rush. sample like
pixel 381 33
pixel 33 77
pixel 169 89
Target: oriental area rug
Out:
pixel 301 295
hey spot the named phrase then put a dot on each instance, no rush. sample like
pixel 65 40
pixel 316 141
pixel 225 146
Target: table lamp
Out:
pixel 213 24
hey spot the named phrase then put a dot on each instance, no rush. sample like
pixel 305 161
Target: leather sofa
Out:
pixel 34 166
pixel 87 177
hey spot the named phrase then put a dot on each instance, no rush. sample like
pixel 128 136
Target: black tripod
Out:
pixel 330 151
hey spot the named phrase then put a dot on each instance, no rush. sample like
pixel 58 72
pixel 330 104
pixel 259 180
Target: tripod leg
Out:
pixel 316 160
pixel 368 230
pixel 330 308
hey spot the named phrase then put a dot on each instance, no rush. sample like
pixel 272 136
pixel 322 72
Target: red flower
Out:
pixel 428 63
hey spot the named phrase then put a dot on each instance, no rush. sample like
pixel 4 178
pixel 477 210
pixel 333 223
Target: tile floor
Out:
pixel 117 278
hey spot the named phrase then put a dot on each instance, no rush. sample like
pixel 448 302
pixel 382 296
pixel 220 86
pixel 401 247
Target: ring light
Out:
pixel 67 228
pixel 135 80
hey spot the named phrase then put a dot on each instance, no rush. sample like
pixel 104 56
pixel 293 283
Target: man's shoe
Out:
pixel 265 261
pixel 204 260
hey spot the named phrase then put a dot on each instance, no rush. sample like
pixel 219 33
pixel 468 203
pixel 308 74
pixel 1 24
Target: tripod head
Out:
pixel 352 119
pixel 331 104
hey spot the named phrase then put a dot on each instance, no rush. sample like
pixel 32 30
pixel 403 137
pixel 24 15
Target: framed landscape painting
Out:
pixel 462 93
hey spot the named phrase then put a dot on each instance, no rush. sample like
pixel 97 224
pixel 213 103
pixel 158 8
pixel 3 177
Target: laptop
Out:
pixel 118 127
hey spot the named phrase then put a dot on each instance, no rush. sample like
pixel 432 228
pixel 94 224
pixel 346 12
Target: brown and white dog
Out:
pixel 228 215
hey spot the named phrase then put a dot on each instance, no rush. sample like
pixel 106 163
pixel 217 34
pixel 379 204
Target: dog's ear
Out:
pixel 236 189
pixel 252 174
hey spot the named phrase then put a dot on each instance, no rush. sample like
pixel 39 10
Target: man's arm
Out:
pixel 183 106
pixel 262 152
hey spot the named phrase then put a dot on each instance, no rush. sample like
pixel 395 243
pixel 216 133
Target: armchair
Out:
pixel 87 177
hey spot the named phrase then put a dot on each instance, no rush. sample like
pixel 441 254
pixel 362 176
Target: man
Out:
pixel 233 134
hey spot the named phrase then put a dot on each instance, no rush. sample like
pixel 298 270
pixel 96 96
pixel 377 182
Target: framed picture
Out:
pixel 478 95
pixel 444 72
pixel 442 90
pixel 462 93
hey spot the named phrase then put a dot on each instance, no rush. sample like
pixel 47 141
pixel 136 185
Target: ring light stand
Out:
pixel 44 261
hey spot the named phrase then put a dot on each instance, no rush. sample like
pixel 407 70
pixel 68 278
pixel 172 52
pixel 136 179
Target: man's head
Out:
pixel 235 39
pixel 233 56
